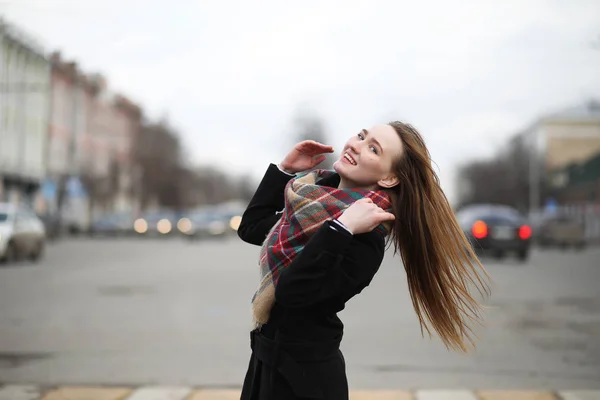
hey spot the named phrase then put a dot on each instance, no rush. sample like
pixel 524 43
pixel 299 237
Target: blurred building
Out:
pixel 561 139
pixel 569 144
pixel 128 126
pixel 570 136
pixel 63 191
pixel 578 183
pixel 24 114
pixel 91 138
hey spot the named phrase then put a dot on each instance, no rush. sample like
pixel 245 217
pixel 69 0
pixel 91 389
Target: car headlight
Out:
pixel 184 225
pixel 216 227
pixel 234 222
pixel 140 225
pixel 163 226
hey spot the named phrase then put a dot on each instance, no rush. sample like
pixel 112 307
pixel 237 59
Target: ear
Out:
pixel 389 182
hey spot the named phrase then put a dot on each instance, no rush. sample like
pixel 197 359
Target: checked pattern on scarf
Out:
pixel 307 206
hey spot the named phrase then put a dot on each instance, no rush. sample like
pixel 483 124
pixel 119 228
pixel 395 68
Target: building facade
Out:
pixel 570 137
pixel 24 115
pixel 113 126
pixel 128 123
pixel 569 143
pixel 91 137
pixel 561 139
pixel 71 91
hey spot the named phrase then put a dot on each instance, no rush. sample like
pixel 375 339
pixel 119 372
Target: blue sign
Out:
pixel 551 206
pixel 75 188
pixel 48 189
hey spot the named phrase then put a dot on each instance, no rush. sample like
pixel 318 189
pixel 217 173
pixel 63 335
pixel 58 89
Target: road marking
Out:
pixel 515 395
pixel 87 393
pixel 19 392
pixel 160 393
pixel 580 395
pixel 445 395
pixel 379 395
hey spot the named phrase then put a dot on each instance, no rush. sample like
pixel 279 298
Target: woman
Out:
pixel 323 236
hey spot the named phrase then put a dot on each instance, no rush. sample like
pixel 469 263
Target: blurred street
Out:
pixel 134 311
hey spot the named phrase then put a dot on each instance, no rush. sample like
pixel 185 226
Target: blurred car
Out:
pixel 157 223
pixel 213 221
pixel 232 218
pixel 203 223
pixel 22 233
pixel 496 230
pixel 51 225
pixel 112 224
pixel 561 230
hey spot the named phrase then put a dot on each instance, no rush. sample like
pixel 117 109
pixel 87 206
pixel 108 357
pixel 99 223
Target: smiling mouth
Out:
pixel 349 158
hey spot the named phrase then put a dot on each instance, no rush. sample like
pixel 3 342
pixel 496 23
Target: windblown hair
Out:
pixel 439 261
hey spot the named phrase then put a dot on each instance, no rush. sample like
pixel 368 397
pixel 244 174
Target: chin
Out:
pixel 341 169
pixel 338 167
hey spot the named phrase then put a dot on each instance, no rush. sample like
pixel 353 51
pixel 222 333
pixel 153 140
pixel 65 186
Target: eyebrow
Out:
pixel 366 133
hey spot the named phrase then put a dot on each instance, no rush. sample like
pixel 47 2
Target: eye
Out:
pixel 362 137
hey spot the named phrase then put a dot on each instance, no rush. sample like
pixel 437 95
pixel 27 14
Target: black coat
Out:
pixel 296 354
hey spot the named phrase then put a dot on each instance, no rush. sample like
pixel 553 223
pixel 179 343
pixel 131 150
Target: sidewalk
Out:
pixel 32 392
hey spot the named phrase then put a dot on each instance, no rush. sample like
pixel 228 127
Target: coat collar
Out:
pixel 331 181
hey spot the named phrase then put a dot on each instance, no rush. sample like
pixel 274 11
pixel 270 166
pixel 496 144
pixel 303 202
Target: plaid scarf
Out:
pixel 307 206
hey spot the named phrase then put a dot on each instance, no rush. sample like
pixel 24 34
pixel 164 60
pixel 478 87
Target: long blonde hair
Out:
pixel 439 261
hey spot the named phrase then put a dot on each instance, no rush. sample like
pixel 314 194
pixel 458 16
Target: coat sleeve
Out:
pixel 262 211
pixel 333 264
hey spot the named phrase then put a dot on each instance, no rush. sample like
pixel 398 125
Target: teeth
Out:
pixel 349 159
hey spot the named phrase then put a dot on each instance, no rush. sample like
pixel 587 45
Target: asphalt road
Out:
pixel 171 312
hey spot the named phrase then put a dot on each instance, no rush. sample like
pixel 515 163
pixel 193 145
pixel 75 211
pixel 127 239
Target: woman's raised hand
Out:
pixel 363 216
pixel 305 155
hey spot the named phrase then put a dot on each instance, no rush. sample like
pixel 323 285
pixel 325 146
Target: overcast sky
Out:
pixel 230 74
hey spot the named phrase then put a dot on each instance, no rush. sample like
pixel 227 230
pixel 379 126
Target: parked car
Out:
pixel 156 223
pixel 203 223
pixel 112 224
pixel 51 225
pixel 22 233
pixel 496 230
pixel 561 230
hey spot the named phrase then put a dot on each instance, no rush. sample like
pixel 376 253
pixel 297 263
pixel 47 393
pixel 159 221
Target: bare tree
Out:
pixel 102 189
pixel 164 177
pixel 309 126
pixel 157 156
pixel 504 178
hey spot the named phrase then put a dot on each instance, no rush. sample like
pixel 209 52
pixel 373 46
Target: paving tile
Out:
pixel 19 392
pixel 515 395
pixel 160 393
pixel 380 395
pixel 580 395
pixel 87 393
pixel 444 395
pixel 215 395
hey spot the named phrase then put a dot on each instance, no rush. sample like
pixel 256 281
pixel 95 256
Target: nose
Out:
pixel 353 147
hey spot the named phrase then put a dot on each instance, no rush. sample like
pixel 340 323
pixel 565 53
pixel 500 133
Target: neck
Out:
pixel 347 184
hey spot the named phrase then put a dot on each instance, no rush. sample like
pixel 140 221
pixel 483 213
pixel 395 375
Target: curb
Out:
pixel 35 392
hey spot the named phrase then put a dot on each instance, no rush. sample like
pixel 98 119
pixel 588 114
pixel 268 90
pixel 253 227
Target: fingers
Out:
pixel 318 160
pixel 365 200
pixel 388 216
pixel 315 147
pixel 383 215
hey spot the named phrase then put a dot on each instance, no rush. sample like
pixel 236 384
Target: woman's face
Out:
pixel 368 157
